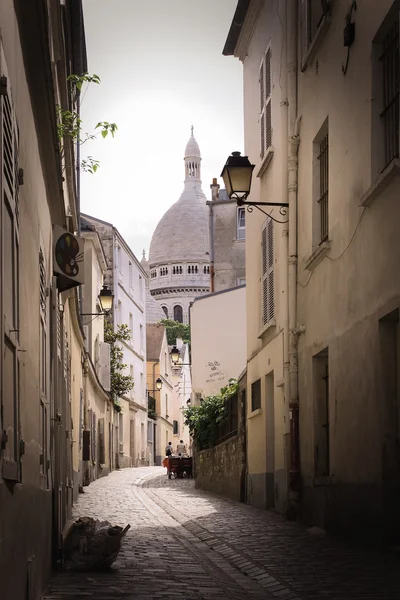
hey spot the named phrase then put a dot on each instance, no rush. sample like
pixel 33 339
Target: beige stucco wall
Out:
pixel 341 300
pixel 218 337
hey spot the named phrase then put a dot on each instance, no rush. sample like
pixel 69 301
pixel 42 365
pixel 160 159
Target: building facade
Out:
pixel 227 241
pixel 179 257
pixel 159 368
pixel 181 395
pixel 127 280
pixel 256 44
pixel 40 366
pixel 323 357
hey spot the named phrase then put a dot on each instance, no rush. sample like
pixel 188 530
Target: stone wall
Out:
pixel 221 469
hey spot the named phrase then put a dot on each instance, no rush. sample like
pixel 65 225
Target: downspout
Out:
pixel 293 145
pixel 214 196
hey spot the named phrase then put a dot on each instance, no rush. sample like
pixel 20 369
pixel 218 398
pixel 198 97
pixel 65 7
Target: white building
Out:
pixel 127 279
pixel 181 396
pixel 179 258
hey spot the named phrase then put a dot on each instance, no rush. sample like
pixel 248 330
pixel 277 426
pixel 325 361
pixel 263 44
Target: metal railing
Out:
pixel 390 80
pixel 323 158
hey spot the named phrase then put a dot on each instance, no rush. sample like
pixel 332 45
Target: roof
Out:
pixel 236 27
pixel 192 147
pixel 154 340
pixel 154 312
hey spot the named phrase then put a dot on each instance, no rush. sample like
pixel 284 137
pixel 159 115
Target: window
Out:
pixel 118 257
pixel 386 89
pixel 206 269
pixel 321 186
pixel 241 223
pixel 313 15
pixel 265 103
pixel 141 337
pixel 321 413
pixel 178 314
pixel 166 406
pixel 256 395
pixel 142 394
pixel 176 428
pixel 241 281
pixel 164 271
pixel 141 288
pixel 9 235
pixel 267 269
pixel 131 328
pixel 130 275
pixel 165 309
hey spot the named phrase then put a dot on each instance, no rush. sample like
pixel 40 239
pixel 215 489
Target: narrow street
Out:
pixel 188 544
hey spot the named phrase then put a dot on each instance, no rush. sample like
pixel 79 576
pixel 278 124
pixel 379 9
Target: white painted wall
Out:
pixel 218 338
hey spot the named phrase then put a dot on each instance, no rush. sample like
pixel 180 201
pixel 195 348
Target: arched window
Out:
pixel 165 309
pixel 178 314
pixel 189 269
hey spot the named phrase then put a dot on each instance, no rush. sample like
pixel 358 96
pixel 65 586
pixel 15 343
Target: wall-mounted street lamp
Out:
pixel 237 174
pixel 159 385
pixel 106 300
pixel 188 402
pixel 175 356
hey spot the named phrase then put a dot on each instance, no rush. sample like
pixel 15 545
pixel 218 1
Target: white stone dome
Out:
pixel 183 232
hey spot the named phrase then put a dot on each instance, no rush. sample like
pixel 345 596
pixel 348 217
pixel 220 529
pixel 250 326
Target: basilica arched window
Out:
pixel 178 313
pixel 165 309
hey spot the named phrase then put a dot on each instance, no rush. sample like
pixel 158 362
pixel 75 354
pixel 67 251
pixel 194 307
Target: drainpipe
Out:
pixel 214 196
pixel 293 145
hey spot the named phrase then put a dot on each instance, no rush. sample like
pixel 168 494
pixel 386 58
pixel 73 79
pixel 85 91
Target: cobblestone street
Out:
pixel 185 543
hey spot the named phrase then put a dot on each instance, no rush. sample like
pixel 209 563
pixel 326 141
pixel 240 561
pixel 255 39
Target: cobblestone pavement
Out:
pixel 187 544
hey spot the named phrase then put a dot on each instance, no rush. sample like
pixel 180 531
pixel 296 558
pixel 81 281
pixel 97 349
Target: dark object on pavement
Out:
pixel 91 545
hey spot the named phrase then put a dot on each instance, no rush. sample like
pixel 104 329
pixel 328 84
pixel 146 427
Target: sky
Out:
pixel 161 68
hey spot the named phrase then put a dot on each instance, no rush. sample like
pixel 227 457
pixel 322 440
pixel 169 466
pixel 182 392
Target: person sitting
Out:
pixel 181 449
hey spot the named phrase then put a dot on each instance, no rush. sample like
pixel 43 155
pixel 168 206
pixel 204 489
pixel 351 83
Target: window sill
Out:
pixel 267 326
pixel 265 162
pixel 321 31
pixel 317 256
pixel 391 172
pixel 255 413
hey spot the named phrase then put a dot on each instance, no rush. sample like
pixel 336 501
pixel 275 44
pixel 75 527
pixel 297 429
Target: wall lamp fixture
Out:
pixel 175 355
pixel 237 174
pixel 106 300
pixel 159 385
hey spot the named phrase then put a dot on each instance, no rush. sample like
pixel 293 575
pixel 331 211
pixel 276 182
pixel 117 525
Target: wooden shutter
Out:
pixel 102 448
pixel 86 445
pixel 104 368
pixel 265 103
pixel 267 272
pixel 9 259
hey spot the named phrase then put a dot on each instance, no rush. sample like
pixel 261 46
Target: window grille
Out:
pixel 323 159
pixel 390 81
pixel 265 103
pixel 267 259
pixel 256 395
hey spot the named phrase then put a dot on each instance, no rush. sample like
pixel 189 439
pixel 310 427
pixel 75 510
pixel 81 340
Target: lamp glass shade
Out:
pixel 237 174
pixel 158 384
pixel 175 355
pixel 106 299
pixel 188 402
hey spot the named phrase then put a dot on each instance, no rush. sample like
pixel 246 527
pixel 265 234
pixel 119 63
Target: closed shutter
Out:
pixel 104 368
pixel 9 258
pixel 102 449
pixel 265 103
pixel 86 445
pixel 267 270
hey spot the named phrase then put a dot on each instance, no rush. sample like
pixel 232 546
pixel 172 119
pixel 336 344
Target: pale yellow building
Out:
pixel 159 367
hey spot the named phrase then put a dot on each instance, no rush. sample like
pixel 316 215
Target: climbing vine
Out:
pixel 69 123
pixel 205 419
pixel 120 383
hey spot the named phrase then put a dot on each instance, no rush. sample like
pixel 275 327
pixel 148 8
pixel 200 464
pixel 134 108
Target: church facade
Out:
pixel 179 257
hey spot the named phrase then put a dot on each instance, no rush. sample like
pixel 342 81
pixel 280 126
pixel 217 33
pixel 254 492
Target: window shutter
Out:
pixel 86 445
pixel 267 270
pixel 9 233
pixel 265 103
pixel 104 368
pixel 102 450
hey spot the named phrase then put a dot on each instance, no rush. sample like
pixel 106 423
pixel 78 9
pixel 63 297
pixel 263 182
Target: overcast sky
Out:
pixel 162 70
